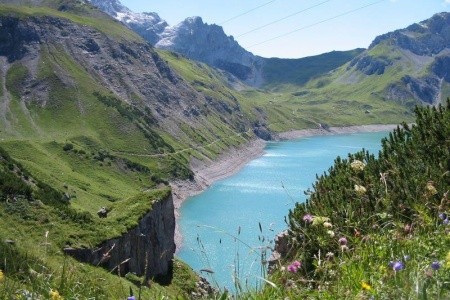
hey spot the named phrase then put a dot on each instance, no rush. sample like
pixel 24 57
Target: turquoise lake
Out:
pixel 226 228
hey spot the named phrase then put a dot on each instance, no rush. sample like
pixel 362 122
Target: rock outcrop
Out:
pixel 146 250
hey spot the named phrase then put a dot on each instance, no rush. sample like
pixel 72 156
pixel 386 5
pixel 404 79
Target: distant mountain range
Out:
pixel 209 44
pixel 420 51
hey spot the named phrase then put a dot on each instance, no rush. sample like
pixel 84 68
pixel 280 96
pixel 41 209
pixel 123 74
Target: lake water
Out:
pixel 226 228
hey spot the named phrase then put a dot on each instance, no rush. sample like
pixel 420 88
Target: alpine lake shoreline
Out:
pixel 232 161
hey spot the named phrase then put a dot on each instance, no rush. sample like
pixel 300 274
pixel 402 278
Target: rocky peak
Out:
pixel 111 7
pixel 428 37
pixel 147 24
pixel 208 43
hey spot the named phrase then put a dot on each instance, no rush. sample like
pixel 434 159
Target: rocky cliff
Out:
pixel 209 43
pixel 146 250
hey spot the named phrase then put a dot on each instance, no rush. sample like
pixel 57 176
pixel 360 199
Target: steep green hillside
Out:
pixel 38 221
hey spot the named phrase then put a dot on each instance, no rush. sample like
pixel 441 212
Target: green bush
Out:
pixel 366 214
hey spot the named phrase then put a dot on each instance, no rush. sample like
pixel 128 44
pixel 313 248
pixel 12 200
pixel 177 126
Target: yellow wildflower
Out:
pixel 2 276
pixel 430 189
pixel 357 165
pixel 360 190
pixel 54 295
pixel 365 286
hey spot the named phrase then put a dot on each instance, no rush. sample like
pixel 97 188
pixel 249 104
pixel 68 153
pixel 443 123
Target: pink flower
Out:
pixel 308 218
pixel 293 268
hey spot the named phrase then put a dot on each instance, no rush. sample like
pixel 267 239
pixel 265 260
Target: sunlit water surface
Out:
pixel 220 227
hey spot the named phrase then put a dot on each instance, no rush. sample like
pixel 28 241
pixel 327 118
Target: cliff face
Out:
pixel 146 250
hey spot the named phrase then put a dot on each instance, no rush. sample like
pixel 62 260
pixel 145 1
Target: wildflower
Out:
pixel 320 220
pixel 357 165
pixel 406 257
pixel 131 298
pixel 365 286
pixel 360 190
pixel 442 216
pixel 330 233
pixel 54 295
pixel 293 268
pixel 445 222
pixel 2 277
pixel 297 264
pixel 308 218
pixel 397 266
pixel 342 241
pixel 329 255
pixel 435 265
pixel 327 225
pixel 430 189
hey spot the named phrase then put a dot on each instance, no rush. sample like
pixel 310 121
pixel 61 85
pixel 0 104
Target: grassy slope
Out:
pixel 280 73
pixel 297 107
pixel 89 173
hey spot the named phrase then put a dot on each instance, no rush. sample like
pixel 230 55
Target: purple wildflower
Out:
pixel 293 268
pixel 397 266
pixel 445 222
pixel 342 241
pixel 131 298
pixel 442 216
pixel 308 218
pixel 435 265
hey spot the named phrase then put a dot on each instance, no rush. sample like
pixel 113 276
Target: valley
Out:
pixel 93 115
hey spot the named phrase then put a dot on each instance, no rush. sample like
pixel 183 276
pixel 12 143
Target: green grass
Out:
pixel 281 72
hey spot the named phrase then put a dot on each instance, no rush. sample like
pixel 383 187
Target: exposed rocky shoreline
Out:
pixel 208 172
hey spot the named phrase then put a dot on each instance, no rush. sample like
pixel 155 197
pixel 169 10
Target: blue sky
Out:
pixel 315 27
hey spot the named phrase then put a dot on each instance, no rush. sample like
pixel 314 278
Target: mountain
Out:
pixel 407 66
pixel 192 38
pixel 208 43
pixel 418 57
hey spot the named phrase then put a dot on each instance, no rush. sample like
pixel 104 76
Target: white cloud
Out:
pixel 446 2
